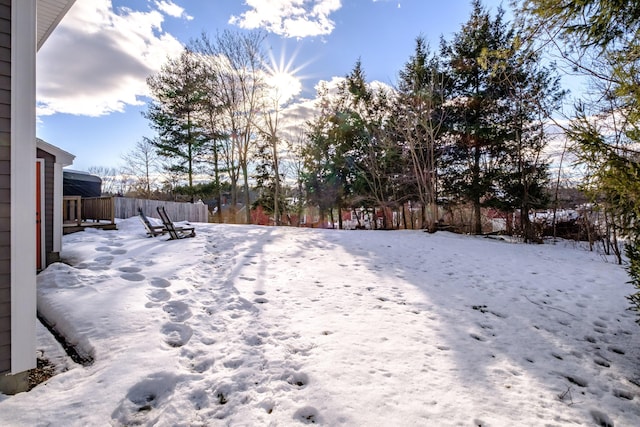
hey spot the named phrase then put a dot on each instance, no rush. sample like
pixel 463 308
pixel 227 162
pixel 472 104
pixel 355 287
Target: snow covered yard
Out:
pixel 248 326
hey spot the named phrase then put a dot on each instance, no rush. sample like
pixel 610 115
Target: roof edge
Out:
pixel 55 22
pixel 62 157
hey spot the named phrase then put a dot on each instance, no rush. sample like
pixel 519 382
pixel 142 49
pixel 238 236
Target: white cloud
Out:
pixel 289 18
pixel 387 1
pixel 172 9
pixel 96 62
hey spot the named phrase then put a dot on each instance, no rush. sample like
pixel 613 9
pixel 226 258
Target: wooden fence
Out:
pixel 78 210
pixel 194 212
pixel 98 208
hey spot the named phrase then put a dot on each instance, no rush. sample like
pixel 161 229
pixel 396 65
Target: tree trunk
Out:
pixel 476 191
pixel 216 173
pixel 247 199
pixel 276 195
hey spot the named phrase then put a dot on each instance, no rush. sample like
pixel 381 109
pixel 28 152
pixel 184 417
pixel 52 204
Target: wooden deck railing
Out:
pixel 72 210
pixel 76 209
pixel 98 209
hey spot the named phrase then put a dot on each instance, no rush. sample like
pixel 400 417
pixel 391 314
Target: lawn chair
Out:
pixel 152 230
pixel 174 232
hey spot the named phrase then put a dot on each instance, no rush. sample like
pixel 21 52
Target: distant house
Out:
pixel 24 27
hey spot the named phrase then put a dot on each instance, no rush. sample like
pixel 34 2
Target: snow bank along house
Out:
pixel 24 27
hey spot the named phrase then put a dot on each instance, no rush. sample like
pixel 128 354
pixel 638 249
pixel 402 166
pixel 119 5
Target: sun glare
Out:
pixel 282 78
pixel 284 86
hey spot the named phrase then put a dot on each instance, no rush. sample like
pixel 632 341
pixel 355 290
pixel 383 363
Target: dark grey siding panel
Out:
pixel 49 160
pixel 5 186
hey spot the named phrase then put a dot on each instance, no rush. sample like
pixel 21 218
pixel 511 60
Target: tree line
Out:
pixel 463 128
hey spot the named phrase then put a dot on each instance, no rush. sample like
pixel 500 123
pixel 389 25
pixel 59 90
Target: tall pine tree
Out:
pixel 495 137
pixel 476 112
pixel 178 91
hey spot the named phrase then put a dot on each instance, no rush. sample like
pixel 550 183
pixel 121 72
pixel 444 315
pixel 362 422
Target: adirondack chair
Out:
pixel 152 230
pixel 174 232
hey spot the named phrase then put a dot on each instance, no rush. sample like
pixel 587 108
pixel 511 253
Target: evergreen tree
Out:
pixel 418 119
pixel 327 180
pixel 476 112
pixel 350 159
pixel 373 153
pixel 321 182
pixel 500 97
pixel 532 93
pixel 178 92
pixel 601 39
pixel 265 177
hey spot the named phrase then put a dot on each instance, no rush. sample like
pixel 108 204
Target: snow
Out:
pixel 249 325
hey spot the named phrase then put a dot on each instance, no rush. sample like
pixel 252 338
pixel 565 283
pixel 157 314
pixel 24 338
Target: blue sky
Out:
pixel 91 71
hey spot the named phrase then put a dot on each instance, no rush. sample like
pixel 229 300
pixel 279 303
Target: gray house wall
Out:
pixel 5 186
pixel 47 208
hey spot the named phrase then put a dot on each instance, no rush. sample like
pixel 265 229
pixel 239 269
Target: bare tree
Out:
pixel 109 177
pixel 294 167
pixel 268 122
pixel 239 61
pixel 142 165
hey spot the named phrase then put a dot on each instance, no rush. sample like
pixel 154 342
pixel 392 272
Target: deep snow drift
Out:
pixel 247 326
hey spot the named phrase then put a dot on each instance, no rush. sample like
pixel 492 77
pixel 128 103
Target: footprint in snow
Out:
pixel 601 419
pixel 616 350
pixel 240 304
pixel 178 311
pixel 159 282
pixel 254 340
pixel 158 295
pixel 623 394
pixel 119 251
pixel 232 363
pixel 176 334
pixel 197 362
pixel 307 415
pixel 93 266
pixel 144 399
pixel 602 362
pixel 260 300
pixel 130 269
pixel 477 337
pixel 133 277
pixel 574 379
